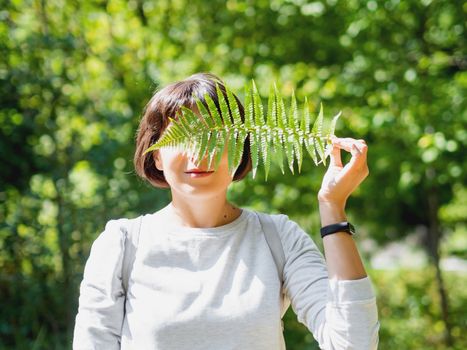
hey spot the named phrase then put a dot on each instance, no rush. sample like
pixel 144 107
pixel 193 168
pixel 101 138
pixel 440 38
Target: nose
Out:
pixel 202 162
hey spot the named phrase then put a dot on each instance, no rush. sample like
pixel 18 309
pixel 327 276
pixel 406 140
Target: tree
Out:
pixel 74 77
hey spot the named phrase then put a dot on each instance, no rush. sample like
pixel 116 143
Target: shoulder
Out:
pixel 290 232
pixel 283 222
pixel 115 231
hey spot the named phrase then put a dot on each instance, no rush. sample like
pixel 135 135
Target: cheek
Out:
pixel 170 159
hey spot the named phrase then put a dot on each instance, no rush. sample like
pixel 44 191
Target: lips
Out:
pixel 197 171
pixel 199 174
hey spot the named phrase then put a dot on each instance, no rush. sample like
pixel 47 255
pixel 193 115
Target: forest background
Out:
pixel 75 76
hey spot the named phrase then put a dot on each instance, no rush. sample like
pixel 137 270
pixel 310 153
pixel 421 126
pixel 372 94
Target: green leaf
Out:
pixel 272 109
pixel 205 113
pixel 298 150
pixel 254 150
pixel 232 146
pixel 242 135
pixel 333 124
pixel 212 147
pixel 224 107
pixel 318 125
pixel 293 113
pixel 281 114
pixel 305 120
pixel 213 111
pixel 310 147
pixel 278 146
pixel 203 146
pixel 289 150
pixel 278 134
pixel 332 128
pixel 258 107
pixel 317 132
pixel 220 145
pixel 249 108
pixel 266 153
pixel 234 107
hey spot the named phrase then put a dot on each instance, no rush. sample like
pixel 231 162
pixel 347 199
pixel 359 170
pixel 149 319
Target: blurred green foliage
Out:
pixel 75 76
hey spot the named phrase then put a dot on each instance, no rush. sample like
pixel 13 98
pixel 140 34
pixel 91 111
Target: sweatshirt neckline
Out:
pixel 218 231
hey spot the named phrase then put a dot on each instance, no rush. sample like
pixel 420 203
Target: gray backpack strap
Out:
pixel 133 229
pixel 275 245
pixel 274 241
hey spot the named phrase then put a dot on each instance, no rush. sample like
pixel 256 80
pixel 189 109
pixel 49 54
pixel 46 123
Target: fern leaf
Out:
pixel 220 146
pixel 232 145
pixel 289 150
pixel 242 134
pixel 224 107
pixel 277 135
pixel 254 152
pixel 211 148
pixel 310 147
pixel 317 132
pixel 281 114
pixel 298 140
pixel 266 150
pixel 318 124
pixel 234 108
pixel 263 131
pixel 205 113
pixel 305 120
pixel 213 111
pixel 332 128
pixel 203 146
pixel 293 113
pixel 271 116
pixel 258 107
pixel 278 146
pixel 249 108
pixel 187 121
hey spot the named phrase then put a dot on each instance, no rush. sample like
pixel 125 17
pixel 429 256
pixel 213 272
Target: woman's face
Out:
pixel 186 179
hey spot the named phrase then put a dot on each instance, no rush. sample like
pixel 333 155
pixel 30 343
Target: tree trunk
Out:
pixel 433 250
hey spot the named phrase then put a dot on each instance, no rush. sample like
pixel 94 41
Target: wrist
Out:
pixel 331 213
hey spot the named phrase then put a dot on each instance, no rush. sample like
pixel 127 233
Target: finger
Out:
pixel 357 148
pixel 356 169
pixel 335 156
pixel 346 143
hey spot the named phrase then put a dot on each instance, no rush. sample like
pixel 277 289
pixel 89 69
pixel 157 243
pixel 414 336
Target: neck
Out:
pixel 203 212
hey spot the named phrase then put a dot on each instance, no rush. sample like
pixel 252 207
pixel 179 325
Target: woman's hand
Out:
pixel 340 181
pixel 342 258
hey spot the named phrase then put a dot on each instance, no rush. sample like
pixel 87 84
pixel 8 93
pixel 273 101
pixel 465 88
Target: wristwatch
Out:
pixel 343 226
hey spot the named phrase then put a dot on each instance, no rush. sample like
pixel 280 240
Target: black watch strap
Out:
pixel 344 226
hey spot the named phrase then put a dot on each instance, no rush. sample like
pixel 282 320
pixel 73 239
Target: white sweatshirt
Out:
pixel 216 288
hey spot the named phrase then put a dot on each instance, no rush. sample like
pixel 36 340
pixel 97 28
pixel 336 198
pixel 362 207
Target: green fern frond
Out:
pixel 274 135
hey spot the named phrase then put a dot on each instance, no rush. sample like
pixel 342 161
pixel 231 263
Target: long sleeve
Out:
pixel 101 302
pixel 341 314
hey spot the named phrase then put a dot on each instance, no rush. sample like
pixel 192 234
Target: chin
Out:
pixel 200 192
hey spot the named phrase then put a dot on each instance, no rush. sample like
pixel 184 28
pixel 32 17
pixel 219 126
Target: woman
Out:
pixel 204 277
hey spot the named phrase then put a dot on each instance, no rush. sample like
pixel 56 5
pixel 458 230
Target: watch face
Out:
pixel 351 228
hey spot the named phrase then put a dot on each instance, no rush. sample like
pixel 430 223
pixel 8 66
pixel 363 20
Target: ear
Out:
pixel 157 160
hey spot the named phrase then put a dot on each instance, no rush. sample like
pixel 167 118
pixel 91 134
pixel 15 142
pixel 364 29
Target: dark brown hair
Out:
pixel 167 103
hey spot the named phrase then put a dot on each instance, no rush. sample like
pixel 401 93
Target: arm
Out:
pixel 342 257
pixel 101 301
pixel 333 297
pixel 341 314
